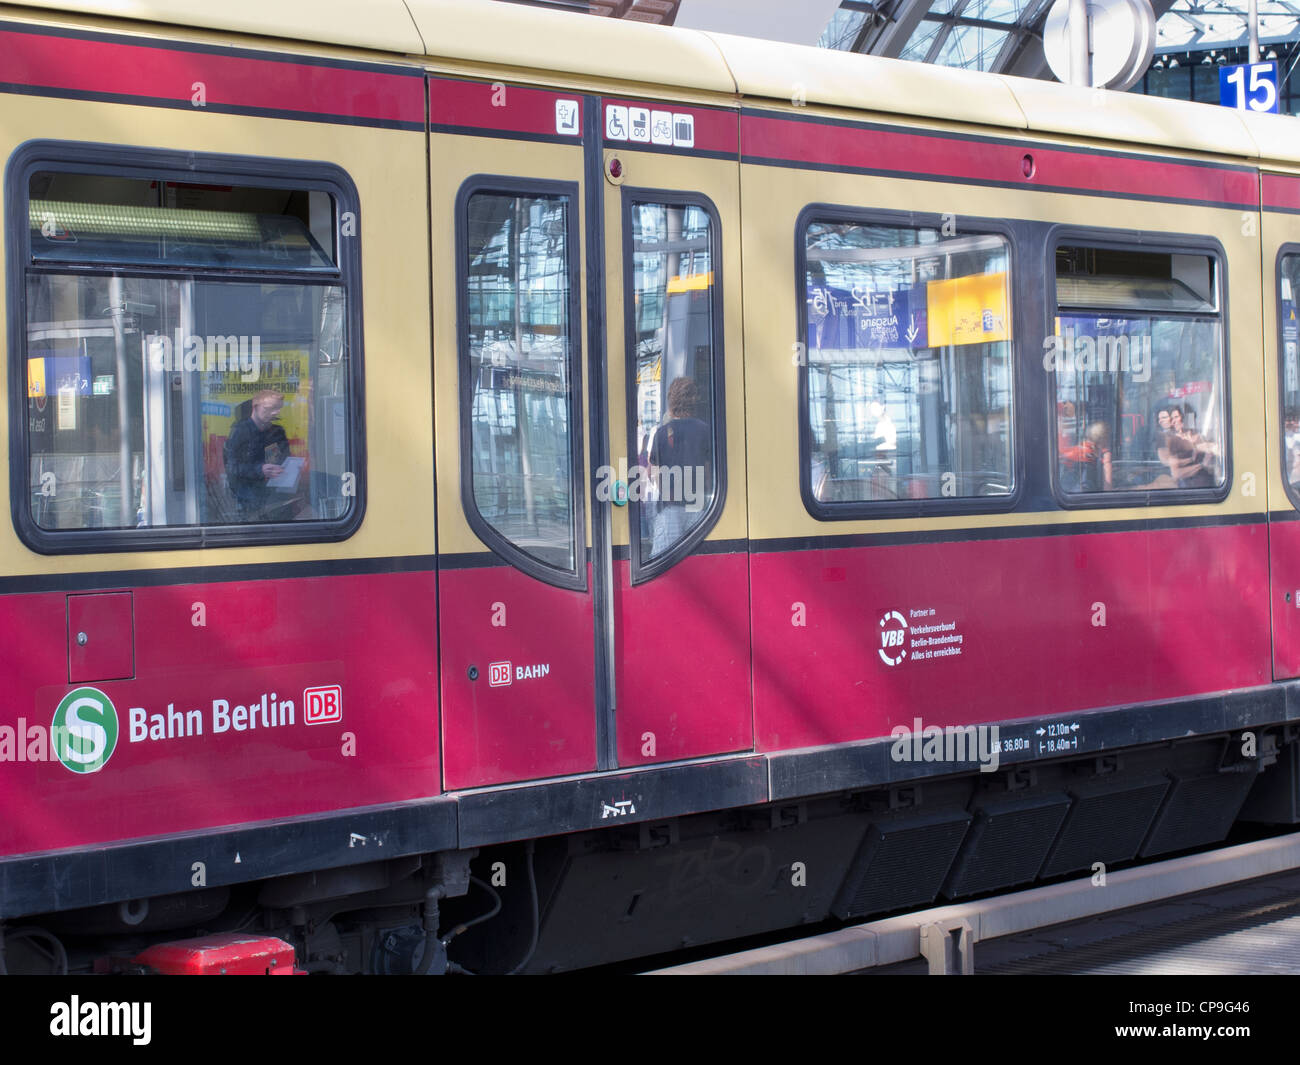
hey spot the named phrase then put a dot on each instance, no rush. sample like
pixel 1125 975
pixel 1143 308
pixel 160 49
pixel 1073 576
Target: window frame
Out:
pixel 1160 243
pixel 108 160
pixel 839 214
pixel 1288 248
pixel 576 578
pixel 644 570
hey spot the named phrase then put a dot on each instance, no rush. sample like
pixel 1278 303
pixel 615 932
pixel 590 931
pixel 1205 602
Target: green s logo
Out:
pixel 83 733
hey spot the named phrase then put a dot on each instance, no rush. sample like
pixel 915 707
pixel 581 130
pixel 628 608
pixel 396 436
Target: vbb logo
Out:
pixel 322 706
pixel 893 634
pixel 499 674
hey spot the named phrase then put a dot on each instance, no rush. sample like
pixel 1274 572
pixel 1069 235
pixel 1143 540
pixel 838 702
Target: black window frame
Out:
pixel 108 160
pixel 575 579
pixel 857 510
pixel 1159 243
pixel 644 570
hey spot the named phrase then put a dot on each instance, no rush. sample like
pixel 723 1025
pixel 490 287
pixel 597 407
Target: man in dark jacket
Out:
pixel 255 452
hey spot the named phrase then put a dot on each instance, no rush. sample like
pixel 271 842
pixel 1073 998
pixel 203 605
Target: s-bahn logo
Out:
pixel 83 734
pixel 893 637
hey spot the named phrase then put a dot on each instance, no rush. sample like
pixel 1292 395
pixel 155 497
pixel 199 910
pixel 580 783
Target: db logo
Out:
pixel 321 706
pixel 498 674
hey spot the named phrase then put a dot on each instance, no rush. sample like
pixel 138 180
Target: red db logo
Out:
pixel 322 705
pixel 498 674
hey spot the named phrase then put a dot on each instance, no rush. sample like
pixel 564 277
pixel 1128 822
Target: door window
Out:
pixel 675 377
pixel 519 392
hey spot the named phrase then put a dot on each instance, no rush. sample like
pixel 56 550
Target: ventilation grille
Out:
pixel 1007 843
pixel 901 863
pixel 1198 810
pixel 1106 824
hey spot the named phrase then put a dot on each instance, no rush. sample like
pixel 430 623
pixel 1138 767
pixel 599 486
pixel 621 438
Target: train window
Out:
pixel 519 396
pixel 909 381
pixel 674 356
pixel 186 362
pixel 1288 271
pixel 1136 364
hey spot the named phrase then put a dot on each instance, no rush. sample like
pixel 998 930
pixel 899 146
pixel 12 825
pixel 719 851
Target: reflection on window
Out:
pixel 520 371
pixel 181 400
pixel 1136 363
pixel 909 377
pixel 1288 281
pixel 676 410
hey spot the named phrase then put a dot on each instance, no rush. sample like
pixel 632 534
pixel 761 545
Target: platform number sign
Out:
pixel 1249 87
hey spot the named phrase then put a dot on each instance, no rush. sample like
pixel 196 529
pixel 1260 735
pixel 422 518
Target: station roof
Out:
pixel 1005 36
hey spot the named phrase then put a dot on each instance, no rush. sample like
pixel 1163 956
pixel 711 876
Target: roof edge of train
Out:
pixel 750 71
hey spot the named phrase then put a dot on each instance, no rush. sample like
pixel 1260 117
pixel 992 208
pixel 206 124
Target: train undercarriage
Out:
pixel 613 895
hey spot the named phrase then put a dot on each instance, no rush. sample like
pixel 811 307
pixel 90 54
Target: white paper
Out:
pixel 289 478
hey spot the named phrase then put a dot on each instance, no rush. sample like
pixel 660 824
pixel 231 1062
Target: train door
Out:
pixel 1281 276
pixel 673 482
pixel 516 597
pixel 593 613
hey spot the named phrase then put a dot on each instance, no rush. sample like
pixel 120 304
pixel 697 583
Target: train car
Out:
pixel 502 491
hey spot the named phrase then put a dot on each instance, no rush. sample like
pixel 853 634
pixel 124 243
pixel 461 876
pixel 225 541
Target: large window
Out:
pixel 908 393
pixel 185 358
pixel 1288 289
pixel 1136 364
pixel 675 359
pixel 519 391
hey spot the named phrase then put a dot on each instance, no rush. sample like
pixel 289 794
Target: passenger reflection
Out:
pixel 1087 466
pixel 680 464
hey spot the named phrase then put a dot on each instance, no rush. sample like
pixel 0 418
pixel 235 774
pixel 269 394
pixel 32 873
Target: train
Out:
pixel 495 490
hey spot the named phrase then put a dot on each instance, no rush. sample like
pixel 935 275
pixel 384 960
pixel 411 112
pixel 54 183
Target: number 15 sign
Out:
pixel 1249 87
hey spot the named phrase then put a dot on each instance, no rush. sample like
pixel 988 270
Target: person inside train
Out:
pixel 256 454
pixel 1178 453
pixel 680 466
pixel 1205 452
pixel 886 432
pixel 1087 466
pixel 1291 440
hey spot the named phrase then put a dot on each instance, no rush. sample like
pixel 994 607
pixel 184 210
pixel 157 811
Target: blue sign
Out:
pixel 1249 87
pixel 840 319
pixel 59 373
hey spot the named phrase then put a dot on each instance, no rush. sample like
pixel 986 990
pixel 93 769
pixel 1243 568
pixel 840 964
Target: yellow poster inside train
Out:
pixel 226 399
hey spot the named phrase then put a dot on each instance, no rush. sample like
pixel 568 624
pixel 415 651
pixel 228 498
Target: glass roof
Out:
pixel 990 34
pixel 842 31
pixel 974 47
pixel 994 10
pixel 1196 24
pixel 958 33
pixel 920 43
